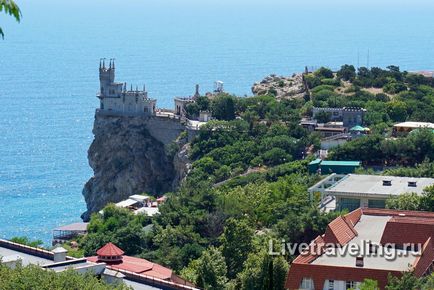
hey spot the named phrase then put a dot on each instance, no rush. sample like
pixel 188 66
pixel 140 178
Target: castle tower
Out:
pixel 106 75
pixel 196 94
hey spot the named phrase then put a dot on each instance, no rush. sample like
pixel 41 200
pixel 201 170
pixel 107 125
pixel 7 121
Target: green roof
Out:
pixel 316 161
pixel 358 128
pixel 340 163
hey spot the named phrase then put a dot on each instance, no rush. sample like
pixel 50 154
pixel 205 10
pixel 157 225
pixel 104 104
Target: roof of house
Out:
pixel 340 163
pixel 331 129
pixel 316 161
pixel 73 227
pixel 373 185
pixel 358 128
pixel 126 203
pixel 110 249
pixel 379 226
pixel 415 125
pixel 139 266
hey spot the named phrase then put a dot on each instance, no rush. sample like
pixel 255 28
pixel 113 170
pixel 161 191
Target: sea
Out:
pixel 49 73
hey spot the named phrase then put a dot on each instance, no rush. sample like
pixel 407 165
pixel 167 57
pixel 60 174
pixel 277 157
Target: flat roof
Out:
pixel 415 125
pixel 25 258
pixel 340 163
pixel 126 203
pixel 139 197
pixel 73 227
pixel 338 129
pixel 371 228
pixel 139 286
pixel 373 185
pixel 150 211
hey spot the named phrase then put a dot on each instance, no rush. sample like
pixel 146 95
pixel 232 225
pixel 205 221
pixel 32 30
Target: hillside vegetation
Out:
pixel 218 236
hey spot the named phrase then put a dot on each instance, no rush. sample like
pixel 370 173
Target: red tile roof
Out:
pixel 423 262
pixel 402 230
pixel 140 266
pixel 110 250
pixel 403 226
pixel 339 232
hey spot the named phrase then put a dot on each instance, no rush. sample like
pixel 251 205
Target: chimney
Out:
pixel 359 261
pixel 387 182
pixel 59 254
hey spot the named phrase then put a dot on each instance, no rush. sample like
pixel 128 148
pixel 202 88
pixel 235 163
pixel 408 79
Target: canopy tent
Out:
pixel 359 128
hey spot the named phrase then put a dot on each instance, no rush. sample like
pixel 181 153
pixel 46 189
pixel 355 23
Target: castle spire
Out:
pixel 131 89
pixel 197 94
pixel 110 66
pixel 100 67
pixel 144 88
pixel 125 87
pixel 113 63
pixel 103 63
pixel 137 88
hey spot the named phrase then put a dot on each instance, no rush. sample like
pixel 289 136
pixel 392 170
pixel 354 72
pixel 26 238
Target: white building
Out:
pixel 116 99
pixel 356 190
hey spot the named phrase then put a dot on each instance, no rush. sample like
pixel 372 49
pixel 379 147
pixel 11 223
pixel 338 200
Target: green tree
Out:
pixel 223 107
pixel 11 8
pixel 263 272
pixel 26 241
pixel 323 117
pixel 369 284
pixel 408 281
pixel 236 245
pixel 324 72
pixel 397 111
pixel 347 72
pixel 211 270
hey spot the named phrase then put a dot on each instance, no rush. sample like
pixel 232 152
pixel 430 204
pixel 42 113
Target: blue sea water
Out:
pixel 49 73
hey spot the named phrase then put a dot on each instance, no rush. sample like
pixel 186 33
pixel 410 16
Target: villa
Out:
pixel 384 242
pixel 357 190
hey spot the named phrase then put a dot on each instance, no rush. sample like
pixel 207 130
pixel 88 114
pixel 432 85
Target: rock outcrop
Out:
pixel 127 159
pixel 280 86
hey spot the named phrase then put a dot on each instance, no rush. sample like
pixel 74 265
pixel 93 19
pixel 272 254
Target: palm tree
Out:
pixel 11 8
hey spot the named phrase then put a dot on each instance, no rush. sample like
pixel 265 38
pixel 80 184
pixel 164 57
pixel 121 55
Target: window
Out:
pixel 331 284
pixel 376 203
pixel 306 283
pixel 351 285
pixel 349 204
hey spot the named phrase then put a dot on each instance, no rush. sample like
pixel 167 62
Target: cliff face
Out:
pixel 127 159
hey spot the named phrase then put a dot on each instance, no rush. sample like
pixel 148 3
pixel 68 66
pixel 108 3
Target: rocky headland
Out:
pixel 127 159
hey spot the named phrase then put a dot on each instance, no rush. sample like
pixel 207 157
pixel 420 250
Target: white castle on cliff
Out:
pixel 114 97
pixel 116 100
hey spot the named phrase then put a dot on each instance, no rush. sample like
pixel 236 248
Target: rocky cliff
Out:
pixel 127 159
pixel 280 86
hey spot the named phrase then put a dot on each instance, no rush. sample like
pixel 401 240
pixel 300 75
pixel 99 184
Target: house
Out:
pixel 330 166
pixel 365 244
pixel 68 232
pixel 406 127
pixel 141 204
pixel 110 264
pixel 349 116
pixel 357 190
pixel 135 268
